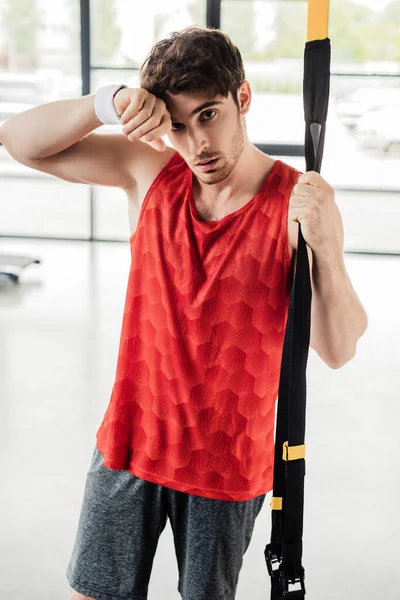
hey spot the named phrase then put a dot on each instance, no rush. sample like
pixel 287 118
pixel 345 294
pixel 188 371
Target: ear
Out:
pixel 244 97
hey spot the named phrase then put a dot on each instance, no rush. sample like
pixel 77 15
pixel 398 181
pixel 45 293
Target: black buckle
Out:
pixel 298 580
pixel 275 571
pixel 272 560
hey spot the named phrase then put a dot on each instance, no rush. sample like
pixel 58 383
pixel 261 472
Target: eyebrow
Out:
pixel 202 107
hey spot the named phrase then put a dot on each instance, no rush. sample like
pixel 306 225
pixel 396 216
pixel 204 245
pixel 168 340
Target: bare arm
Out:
pixel 47 129
pixel 58 138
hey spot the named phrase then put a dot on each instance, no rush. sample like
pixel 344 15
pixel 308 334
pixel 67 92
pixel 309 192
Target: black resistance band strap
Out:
pixel 284 554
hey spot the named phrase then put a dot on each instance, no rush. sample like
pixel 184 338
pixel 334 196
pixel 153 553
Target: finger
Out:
pixel 296 202
pixel 157 132
pixel 140 129
pixel 312 178
pixel 303 189
pixel 296 215
pixel 135 105
pixel 158 144
pixel 136 116
pixel 152 129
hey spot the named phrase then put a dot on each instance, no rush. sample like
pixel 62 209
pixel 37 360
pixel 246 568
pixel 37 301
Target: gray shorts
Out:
pixel 121 520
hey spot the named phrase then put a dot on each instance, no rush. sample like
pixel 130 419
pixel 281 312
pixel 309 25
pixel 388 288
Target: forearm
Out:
pixel 338 318
pixel 49 128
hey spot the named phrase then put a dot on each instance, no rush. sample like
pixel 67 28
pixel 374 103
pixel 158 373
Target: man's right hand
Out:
pixel 145 116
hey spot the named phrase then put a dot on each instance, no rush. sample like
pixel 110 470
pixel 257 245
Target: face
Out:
pixel 205 128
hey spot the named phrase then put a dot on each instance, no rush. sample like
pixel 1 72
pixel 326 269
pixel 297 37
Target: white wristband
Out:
pixel 104 104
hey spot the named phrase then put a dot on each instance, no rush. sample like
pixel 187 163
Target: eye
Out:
pixel 208 112
pixel 178 126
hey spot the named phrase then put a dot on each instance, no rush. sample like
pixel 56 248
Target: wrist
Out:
pixel 104 106
pixel 117 102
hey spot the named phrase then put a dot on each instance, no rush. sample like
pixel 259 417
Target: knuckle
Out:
pixel 151 135
pixel 131 112
pixel 166 121
pixel 141 93
pixel 146 113
pixel 156 119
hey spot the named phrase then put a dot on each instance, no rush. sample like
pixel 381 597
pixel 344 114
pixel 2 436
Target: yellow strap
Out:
pixel 276 503
pixel 318 20
pixel 293 452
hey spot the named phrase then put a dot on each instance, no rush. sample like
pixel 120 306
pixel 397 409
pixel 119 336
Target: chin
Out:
pixel 213 177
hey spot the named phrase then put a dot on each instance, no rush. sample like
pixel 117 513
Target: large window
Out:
pixel 362 147
pixel 43 58
pixel 363 136
pixel 39 62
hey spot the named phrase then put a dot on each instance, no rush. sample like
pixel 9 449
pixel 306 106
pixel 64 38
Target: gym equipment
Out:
pixel 283 555
pixel 11 266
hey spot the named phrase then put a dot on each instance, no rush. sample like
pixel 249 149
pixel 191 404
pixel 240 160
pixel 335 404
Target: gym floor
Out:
pixel 58 347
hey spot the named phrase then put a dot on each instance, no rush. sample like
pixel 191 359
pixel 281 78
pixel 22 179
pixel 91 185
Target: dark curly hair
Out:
pixel 196 59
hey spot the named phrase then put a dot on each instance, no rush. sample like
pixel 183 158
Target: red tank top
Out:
pixel 194 399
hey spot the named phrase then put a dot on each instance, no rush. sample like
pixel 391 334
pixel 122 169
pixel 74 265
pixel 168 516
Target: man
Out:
pixel 188 433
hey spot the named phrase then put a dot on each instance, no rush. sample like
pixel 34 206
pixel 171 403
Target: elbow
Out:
pixel 3 128
pixel 3 135
pixel 340 362
pixel 334 362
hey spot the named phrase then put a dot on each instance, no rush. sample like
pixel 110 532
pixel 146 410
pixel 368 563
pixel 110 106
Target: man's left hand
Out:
pixel 313 205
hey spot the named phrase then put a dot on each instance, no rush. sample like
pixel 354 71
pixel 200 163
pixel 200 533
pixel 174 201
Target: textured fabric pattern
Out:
pixel 193 404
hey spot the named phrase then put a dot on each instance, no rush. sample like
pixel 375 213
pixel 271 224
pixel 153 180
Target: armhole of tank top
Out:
pixel 285 216
pixel 152 188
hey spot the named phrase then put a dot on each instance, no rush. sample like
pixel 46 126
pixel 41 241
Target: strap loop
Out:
pixel 293 452
pixel 276 503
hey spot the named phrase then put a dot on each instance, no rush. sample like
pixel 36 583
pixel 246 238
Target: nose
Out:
pixel 197 143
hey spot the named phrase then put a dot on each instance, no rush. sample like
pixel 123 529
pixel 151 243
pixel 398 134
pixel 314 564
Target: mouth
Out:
pixel 206 165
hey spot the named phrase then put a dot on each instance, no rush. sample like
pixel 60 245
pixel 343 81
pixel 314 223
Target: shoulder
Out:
pixel 151 164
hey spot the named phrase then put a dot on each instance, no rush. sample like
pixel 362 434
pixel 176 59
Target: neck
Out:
pixel 244 181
